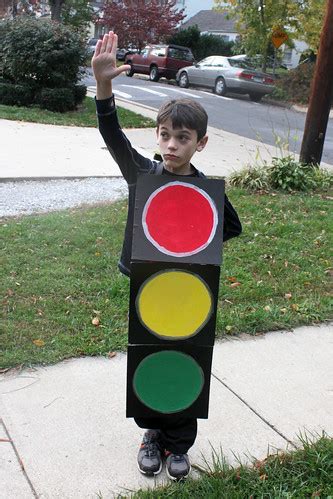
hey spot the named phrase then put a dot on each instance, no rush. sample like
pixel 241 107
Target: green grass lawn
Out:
pixel 303 474
pixel 59 273
pixel 85 116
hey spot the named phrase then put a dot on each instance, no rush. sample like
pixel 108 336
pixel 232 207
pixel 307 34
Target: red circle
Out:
pixel 180 219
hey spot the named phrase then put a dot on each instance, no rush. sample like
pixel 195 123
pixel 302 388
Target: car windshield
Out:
pixel 182 54
pixel 238 63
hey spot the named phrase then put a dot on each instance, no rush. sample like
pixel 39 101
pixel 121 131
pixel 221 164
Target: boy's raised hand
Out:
pixel 104 62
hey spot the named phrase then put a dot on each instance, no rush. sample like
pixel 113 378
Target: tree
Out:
pixel 310 15
pixel 141 21
pixel 56 6
pixel 257 19
pixel 77 14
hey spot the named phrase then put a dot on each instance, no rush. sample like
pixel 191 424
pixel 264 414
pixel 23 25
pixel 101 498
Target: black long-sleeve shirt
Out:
pixel 132 164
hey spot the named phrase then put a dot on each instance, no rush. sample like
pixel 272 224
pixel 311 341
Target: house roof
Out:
pixel 210 20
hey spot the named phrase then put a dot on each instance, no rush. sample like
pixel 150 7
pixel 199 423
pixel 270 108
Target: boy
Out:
pixel 181 131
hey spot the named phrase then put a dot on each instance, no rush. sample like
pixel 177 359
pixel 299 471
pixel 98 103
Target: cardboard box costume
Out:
pixel 175 268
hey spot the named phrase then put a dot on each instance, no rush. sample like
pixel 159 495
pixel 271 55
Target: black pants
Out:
pixel 177 434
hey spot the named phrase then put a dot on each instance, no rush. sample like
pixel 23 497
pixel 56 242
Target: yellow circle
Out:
pixel 174 304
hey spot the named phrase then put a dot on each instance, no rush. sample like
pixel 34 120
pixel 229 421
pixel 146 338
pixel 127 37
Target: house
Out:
pixel 214 23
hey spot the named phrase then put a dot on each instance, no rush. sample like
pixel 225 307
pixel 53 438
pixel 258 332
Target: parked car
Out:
pixel 123 52
pixel 160 60
pixel 224 74
pixel 91 45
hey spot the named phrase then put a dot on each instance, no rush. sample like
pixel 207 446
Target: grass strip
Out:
pixel 305 473
pixel 84 116
pixel 59 275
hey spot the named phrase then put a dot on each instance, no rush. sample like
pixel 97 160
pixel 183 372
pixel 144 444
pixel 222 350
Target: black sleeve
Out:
pixel 232 226
pixel 128 159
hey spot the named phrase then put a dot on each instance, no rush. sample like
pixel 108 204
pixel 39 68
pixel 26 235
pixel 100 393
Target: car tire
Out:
pixel 129 72
pixel 256 97
pixel 220 86
pixel 183 80
pixel 153 75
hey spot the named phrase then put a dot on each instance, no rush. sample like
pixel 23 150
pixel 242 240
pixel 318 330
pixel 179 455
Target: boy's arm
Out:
pixel 232 226
pixel 105 70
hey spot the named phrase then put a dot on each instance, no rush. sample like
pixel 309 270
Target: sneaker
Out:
pixel 177 466
pixel 149 457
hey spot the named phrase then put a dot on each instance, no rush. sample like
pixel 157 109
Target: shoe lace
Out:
pixel 150 446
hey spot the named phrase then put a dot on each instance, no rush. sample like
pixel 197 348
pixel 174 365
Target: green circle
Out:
pixel 168 381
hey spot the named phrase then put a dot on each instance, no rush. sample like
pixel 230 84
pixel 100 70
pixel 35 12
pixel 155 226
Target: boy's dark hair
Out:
pixel 184 113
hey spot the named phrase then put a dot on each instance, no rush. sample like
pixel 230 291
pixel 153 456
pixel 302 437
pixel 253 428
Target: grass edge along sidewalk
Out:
pixel 84 116
pixel 64 297
pixel 303 473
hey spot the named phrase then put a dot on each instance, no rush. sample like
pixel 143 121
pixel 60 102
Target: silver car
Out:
pixel 224 74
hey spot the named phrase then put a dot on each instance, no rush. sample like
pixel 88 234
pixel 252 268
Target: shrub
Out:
pixel 57 99
pixel 251 178
pixel 286 174
pixel 19 95
pixel 80 92
pixel 289 175
pixel 296 84
pixel 40 52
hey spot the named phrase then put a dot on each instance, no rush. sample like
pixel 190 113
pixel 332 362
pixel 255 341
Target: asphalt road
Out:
pixel 271 124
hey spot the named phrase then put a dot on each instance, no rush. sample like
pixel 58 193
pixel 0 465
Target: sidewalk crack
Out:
pixel 19 459
pixel 255 412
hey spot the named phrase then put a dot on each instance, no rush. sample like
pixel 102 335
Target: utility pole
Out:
pixel 321 95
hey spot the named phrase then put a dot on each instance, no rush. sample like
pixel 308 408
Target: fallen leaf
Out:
pixel 288 296
pixel 286 263
pixel 95 321
pixel 112 354
pixel 232 279
pixel 38 343
pixel 235 284
pixel 228 328
pixel 97 253
pixel 10 292
pixel 294 306
pixel 267 308
pixel 283 310
pixel 263 477
pixel 97 312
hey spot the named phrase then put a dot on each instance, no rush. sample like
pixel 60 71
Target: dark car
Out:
pixel 160 60
pixel 123 52
pixel 224 74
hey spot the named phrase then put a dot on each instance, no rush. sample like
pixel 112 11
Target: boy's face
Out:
pixel 177 146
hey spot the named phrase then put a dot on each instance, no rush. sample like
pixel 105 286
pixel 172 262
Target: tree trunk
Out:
pixel 56 6
pixel 321 95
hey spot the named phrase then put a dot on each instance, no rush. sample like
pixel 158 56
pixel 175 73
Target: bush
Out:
pixel 40 53
pixel 296 84
pixel 19 95
pixel 57 99
pixel 80 92
pixel 284 174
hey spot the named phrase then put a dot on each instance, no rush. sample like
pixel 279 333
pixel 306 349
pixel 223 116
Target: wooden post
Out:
pixel 321 95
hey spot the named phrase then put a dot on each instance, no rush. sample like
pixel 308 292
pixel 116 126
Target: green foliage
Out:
pixel 285 174
pixel 77 14
pixel 201 45
pixel 40 52
pixel 289 175
pixel 19 95
pixel 251 178
pixel 80 92
pixel 56 99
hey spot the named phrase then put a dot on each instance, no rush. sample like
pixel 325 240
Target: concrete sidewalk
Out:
pixel 65 435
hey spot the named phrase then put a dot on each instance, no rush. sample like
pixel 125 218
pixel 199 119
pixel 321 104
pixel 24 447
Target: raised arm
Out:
pixel 104 65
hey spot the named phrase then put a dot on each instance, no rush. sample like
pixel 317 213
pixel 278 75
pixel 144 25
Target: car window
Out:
pixel 159 51
pixel 182 54
pixel 144 53
pixel 206 62
pixel 220 62
pixel 244 64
